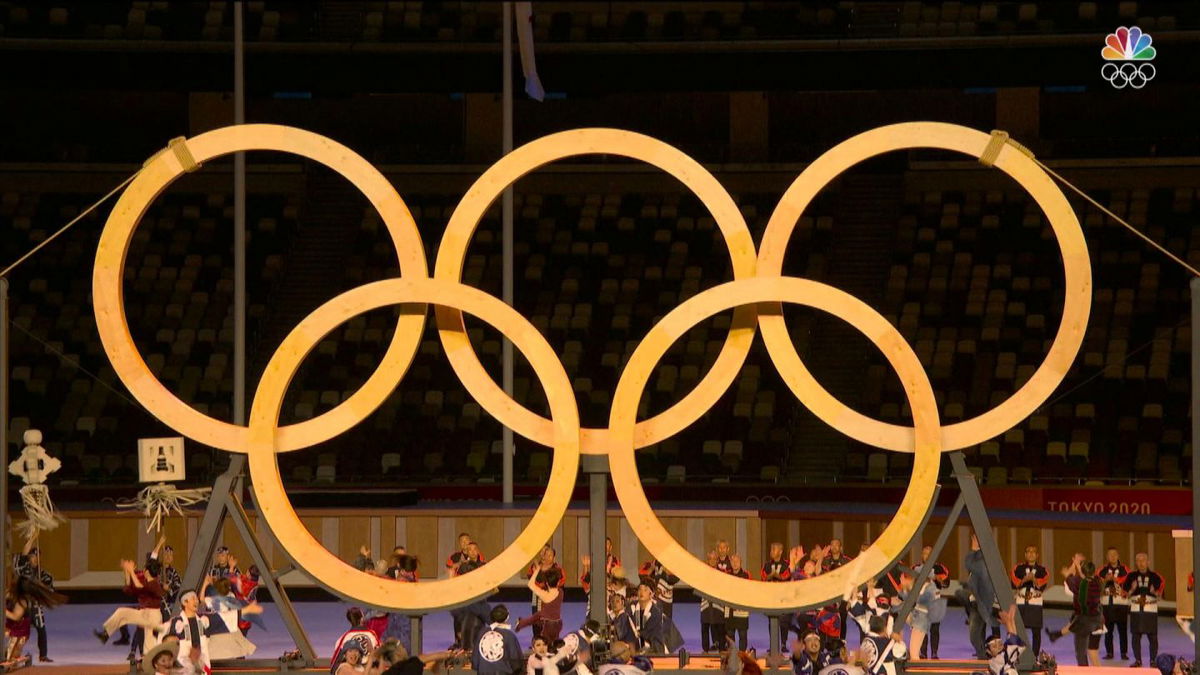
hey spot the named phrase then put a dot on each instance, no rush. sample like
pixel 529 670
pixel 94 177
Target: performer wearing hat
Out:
pixel 27 564
pixel 1029 581
pixel 161 659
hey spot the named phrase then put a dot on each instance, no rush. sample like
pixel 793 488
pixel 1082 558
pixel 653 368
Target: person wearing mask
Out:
pixel 498 650
pixel 1143 587
pixel 737 621
pixel 1115 604
pixel 1029 579
pixel 940 575
pixel 777 569
pixel 1086 620
pixel 712 617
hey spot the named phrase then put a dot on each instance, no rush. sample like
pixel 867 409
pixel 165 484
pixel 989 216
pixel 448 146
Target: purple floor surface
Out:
pixel 71 640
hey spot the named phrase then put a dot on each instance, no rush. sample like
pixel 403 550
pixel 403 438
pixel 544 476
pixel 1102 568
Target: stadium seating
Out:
pixel 580 21
pixel 594 271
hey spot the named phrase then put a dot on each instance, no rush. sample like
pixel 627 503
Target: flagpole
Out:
pixel 506 218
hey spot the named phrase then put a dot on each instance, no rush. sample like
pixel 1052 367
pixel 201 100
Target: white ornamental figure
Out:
pixel 161 460
pixel 33 466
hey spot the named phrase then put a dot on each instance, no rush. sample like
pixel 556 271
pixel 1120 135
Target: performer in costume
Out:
pixel 28 564
pixel 145 586
pixel 834 558
pixel 918 618
pixel 547 621
pixel 940 575
pixel 610 562
pixel 357 635
pixel 777 569
pixel 463 554
pixel 224 565
pixel 980 599
pixel 880 650
pixel 498 650
pixel 737 621
pixel 712 618
pixel 1144 587
pixel 1086 623
pixel 643 625
pixel 537 571
pixel 22 596
pixel 190 628
pixel 1004 655
pixel 809 656
pixel 1029 581
pixel 540 661
pixel 1115 603
pixel 663 583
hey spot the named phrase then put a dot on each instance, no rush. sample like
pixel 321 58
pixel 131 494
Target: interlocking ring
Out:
pixel 1076 267
pixel 755 295
pixel 108 295
pixel 763 595
pixel 308 553
pixel 489 186
pixel 1128 74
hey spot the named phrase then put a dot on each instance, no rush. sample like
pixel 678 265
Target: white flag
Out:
pixel 524 16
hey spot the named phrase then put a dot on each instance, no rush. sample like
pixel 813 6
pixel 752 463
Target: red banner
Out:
pixel 1125 501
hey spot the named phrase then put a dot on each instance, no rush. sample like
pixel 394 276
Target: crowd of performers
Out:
pixel 1112 603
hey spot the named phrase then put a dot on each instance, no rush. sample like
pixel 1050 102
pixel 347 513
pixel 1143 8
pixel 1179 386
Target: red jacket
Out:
pixel 149 596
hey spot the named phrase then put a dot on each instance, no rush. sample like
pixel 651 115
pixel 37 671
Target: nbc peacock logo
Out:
pixel 1128 53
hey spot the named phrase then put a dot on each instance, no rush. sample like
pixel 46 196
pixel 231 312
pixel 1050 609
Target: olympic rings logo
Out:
pixel 755 295
pixel 1128 74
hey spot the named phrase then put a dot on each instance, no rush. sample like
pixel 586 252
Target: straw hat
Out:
pixel 170 647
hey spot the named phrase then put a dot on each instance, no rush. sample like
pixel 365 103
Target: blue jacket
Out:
pixel 980 584
pixel 644 632
pixel 498 651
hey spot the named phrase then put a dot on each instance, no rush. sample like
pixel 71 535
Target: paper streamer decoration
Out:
pixel 33 465
pixel 161 500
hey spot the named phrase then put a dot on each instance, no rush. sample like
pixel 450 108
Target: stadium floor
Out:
pixel 72 643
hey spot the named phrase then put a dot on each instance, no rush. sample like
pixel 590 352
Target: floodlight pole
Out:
pixel 1195 287
pixel 239 226
pixel 506 218
pixel 5 333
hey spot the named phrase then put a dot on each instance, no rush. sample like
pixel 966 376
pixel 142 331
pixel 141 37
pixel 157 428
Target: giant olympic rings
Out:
pixel 755 295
